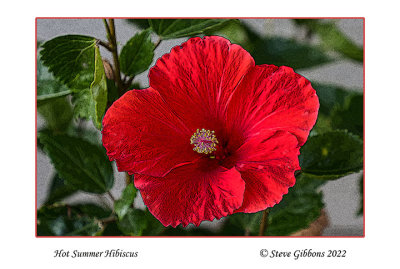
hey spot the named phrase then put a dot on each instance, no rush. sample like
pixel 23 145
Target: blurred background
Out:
pixel 342 196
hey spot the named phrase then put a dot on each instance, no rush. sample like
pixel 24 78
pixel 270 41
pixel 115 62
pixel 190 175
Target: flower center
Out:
pixel 204 141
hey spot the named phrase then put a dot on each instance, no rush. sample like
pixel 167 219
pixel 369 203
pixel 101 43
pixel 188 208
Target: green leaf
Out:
pixel 112 91
pixel 283 51
pixel 332 155
pixel 122 205
pixel 48 88
pixel 134 222
pixel 137 54
pixel 242 224
pixel 71 59
pixel 322 125
pixel 93 210
pixel 350 116
pixel 91 103
pixel 333 39
pixel 58 190
pixel 91 135
pixel 42 72
pixel 62 220
pixel 174 28
pixel 57 114
pixel 112 229
pixel 297 210
pixel 140 23
pixel 84 106
pixel 153 227
pixel 76 61
pixel 98 90
pixel 232 30
pixel 329 96
pixel 82 165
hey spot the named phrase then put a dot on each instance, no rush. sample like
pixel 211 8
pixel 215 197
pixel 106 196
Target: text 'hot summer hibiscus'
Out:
pixel 213 134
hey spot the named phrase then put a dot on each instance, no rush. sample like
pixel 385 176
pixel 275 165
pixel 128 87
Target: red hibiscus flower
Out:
pixel 213 134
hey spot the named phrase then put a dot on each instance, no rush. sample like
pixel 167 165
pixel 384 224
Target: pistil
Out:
pixel 204 141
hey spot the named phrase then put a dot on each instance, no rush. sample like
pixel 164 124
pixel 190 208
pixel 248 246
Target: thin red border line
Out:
pixel 357 236
pixel 364 125
pixel 36 128
pixel 275 18
pixel 148 236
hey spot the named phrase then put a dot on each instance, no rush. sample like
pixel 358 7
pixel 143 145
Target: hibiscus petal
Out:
pixel 197 78
pixel 272 98
pixel 143 136
pixel 267 164
pixel 262 191
pixel 192 193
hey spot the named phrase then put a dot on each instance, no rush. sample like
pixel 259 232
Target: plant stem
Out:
pixel 109 219
pixel 107 29
pixel 157 43
pixel 112 39
pixel 127 179
pixel 104 44
pixel 129 82
pixel 264 222
pixel 111 196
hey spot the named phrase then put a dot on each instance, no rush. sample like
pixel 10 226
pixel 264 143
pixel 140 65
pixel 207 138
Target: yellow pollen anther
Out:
pixel 204 141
